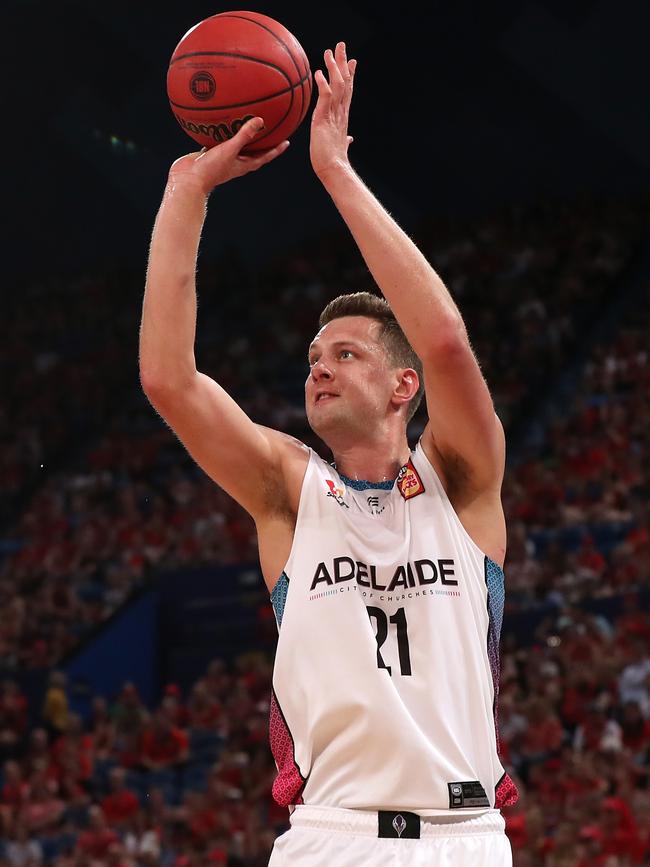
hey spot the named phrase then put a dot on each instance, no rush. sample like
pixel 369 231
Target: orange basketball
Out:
pixel 234 66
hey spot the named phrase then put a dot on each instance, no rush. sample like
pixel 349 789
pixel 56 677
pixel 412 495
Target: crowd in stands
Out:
pixel 62 362
pixel 188 782
pixel 127 501
pixel 579 513
pixel 184 784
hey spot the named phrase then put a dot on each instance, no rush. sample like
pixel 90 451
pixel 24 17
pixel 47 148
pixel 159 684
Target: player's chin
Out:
pixel 323 418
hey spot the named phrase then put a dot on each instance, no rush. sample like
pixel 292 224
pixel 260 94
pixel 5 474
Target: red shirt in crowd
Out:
pixel 167 749
pixel 120 806
pixel 96 842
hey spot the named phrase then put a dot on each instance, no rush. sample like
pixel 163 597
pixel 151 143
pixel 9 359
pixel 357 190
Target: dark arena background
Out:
pixel 512 141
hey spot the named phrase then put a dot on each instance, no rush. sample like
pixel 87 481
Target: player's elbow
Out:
pixel 448 342
pixel 160 385
pixel 151 380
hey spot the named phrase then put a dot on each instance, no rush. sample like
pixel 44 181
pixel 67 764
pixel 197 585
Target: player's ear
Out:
pixel 407 385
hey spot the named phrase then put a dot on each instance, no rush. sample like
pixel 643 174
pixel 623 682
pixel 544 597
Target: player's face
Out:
pixel 350 380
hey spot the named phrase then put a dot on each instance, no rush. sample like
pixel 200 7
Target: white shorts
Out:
pixel 327 837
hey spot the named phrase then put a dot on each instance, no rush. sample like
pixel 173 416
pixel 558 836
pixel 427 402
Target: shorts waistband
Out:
pixel 395 823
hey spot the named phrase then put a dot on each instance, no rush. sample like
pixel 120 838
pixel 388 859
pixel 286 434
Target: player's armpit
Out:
pixel 255 465
pixel 463 427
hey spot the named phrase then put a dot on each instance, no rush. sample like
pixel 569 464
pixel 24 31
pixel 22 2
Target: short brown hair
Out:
pixel 400 352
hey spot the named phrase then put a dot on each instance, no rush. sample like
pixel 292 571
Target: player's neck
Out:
pixel 372 462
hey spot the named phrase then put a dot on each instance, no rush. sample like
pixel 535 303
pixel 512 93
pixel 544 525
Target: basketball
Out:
pixel 234 66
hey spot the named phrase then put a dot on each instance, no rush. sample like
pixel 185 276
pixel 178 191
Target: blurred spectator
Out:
pixel 42 809
pixel 13 718
pixel 121 805
pixel 634 683
pixel 103 729
pixel 55 709
pixel 72 753
pixel 22 850
pixel 97 840
pixel 598 733
pixel 163 744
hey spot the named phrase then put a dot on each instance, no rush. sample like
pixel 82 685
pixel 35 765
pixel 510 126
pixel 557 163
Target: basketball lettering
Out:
pixel 220 132
pixel 237 65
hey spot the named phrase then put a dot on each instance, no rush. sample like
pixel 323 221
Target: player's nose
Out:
pixel 320 371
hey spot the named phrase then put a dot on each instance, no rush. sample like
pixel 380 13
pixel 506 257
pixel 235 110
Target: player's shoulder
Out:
pixel 291 457
pixel 287 446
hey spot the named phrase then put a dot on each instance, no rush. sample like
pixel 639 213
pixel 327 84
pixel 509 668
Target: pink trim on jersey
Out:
pixel 505 793
pixel 289 782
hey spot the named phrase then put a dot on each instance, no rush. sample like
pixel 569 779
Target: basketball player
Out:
pixel 384 568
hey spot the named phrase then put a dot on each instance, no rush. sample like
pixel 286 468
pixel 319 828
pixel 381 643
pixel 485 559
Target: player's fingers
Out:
pixel 351 65
pixel 230 149
pixel 245 135
pixel 341 58
pixel 252 163
pixel 335 77
pixel 324 90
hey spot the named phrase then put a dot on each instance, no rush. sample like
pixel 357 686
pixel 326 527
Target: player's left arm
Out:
pixel 463 428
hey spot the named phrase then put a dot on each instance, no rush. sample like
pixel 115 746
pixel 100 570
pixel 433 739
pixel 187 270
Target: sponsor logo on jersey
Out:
pixel 337 493
pixel 419 573
pixel 409 483
pixel 373 505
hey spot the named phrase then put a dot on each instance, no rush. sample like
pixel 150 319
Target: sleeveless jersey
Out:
pixel 386 671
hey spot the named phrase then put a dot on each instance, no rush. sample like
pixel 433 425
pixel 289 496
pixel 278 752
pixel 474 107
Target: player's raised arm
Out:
pixel 463 427
pixel 233 450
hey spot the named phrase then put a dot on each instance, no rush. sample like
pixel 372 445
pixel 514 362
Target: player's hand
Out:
pixel 329 121
pixel 208 168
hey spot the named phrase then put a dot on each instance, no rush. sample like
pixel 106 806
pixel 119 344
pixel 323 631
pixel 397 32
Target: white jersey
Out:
pixel 386 671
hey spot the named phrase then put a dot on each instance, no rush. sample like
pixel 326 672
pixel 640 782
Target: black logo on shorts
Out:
pixel 202 85
pixel 398 825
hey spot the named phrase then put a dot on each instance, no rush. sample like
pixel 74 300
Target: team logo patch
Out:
pixel 408 482
pixel 337 493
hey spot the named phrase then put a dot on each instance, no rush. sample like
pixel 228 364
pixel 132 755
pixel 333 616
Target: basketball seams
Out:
pixel 293 58
pixel 268 30
pixel 304 104
pixel 234 104
pixel 268 63
pixel 231 54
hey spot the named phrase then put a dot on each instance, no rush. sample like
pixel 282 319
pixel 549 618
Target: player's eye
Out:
pixel 346 353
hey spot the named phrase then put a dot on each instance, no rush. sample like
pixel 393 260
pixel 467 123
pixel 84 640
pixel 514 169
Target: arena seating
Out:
pixel 188 781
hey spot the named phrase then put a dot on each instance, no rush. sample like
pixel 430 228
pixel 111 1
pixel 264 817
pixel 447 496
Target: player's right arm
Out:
pixel 238 454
